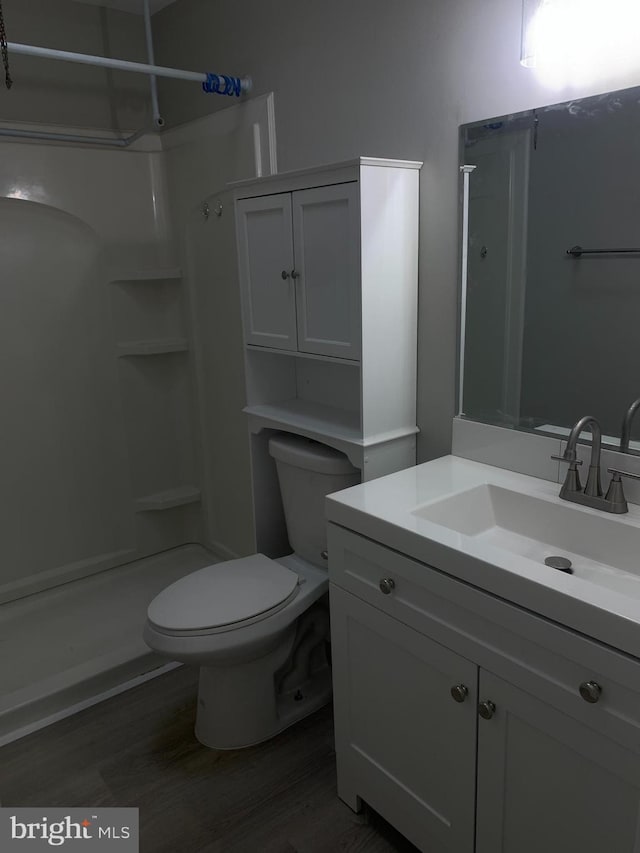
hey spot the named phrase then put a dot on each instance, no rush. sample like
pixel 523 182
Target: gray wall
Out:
pixel 360 77
pixel 80 95
pixel 375 78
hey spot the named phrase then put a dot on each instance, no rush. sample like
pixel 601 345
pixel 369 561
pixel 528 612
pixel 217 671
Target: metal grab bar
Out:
pixel 578 251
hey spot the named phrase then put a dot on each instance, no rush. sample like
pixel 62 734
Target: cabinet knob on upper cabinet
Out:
pixel 284 274
pixel 387 585
pixel 590 691
pixel 486 709
pixel 295 274
pixel 459 692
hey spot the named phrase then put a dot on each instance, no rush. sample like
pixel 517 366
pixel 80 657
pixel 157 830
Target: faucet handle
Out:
pixel 572 484
pixel 616 471
pixel 564 459
pixel 615 493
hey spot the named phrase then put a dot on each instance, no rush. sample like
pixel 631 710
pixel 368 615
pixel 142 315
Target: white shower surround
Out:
pixel 61 378
pixel 126 204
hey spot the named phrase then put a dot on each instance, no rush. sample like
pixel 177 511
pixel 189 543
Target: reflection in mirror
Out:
pixel 553 333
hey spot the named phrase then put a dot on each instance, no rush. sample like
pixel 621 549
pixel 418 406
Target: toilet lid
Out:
pixel 223 594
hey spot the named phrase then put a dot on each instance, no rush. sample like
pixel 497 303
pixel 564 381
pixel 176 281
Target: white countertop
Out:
pixel 383 510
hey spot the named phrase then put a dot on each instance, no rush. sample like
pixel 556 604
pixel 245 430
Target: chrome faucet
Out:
pixel 616 492
pixel 572 488
pixel 625 435
pixel 591 495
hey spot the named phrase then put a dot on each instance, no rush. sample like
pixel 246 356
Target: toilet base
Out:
pixel 216 733
pixel 244 704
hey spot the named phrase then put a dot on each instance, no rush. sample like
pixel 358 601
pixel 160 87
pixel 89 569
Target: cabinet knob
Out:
pixel 284 274
pixel 486 709
pixel 387 585
pixel 295 274
pixel 459 692
pixel 590 691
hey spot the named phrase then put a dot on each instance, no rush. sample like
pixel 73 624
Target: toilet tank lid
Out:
pixel 223 594
pixel 311 455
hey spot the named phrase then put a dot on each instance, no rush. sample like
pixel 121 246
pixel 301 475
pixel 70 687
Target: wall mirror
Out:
pixel 552 295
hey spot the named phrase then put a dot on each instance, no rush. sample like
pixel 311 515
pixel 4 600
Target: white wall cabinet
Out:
pixel 440 689
pixel 265 260
pixel 299 270
pixel 328 266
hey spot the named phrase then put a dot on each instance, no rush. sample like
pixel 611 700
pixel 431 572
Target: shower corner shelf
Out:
pixel 168 499
pixel 161 346
pixel 146 275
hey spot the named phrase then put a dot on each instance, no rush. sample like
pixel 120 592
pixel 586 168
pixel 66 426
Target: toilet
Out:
pixel 259 628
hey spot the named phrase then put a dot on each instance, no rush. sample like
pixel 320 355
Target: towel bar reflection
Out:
pixel 578 251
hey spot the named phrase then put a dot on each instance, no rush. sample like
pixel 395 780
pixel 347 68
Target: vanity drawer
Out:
pixel 535 654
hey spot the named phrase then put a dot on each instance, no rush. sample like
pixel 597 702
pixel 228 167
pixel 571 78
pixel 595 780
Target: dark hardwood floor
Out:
pixel 138 749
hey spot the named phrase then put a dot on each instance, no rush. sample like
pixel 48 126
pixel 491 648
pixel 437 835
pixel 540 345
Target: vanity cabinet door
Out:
pixel 265 259
pixel 547 782
pixel 403 743
pixel 326 232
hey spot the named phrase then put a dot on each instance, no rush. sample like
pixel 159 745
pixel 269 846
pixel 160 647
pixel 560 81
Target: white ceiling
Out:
pixel 128 5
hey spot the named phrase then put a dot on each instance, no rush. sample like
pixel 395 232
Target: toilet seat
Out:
pixel 223 597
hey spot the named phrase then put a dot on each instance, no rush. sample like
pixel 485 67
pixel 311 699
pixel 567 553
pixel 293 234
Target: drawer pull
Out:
pixel 486 709
pixel 459 692
pixel 387 585
pixel 590 691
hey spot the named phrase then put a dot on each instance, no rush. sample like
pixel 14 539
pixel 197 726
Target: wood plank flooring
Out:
pixel 138 749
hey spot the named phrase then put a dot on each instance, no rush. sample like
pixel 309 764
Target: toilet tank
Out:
pixel 307 472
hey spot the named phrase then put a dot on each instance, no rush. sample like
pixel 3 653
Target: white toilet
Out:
pixel 259 628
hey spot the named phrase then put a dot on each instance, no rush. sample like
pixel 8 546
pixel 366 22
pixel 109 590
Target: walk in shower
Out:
pixel 118 305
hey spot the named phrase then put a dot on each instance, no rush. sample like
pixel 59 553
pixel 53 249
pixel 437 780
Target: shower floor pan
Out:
pixel 66 648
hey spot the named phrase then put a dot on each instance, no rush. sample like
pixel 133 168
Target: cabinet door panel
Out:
pixel 403 744
pixel 548 783
pixel 327 258
pixel 265 250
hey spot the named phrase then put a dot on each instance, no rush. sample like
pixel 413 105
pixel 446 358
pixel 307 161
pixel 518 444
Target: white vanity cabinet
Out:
pixel 402 744
pixel 459 717
pixel 299 257
pixel 548 782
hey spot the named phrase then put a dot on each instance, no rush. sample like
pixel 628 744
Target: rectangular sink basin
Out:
pixel 602 548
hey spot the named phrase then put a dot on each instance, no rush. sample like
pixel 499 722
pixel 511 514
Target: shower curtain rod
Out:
pixel 210 83
pixel 119 64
